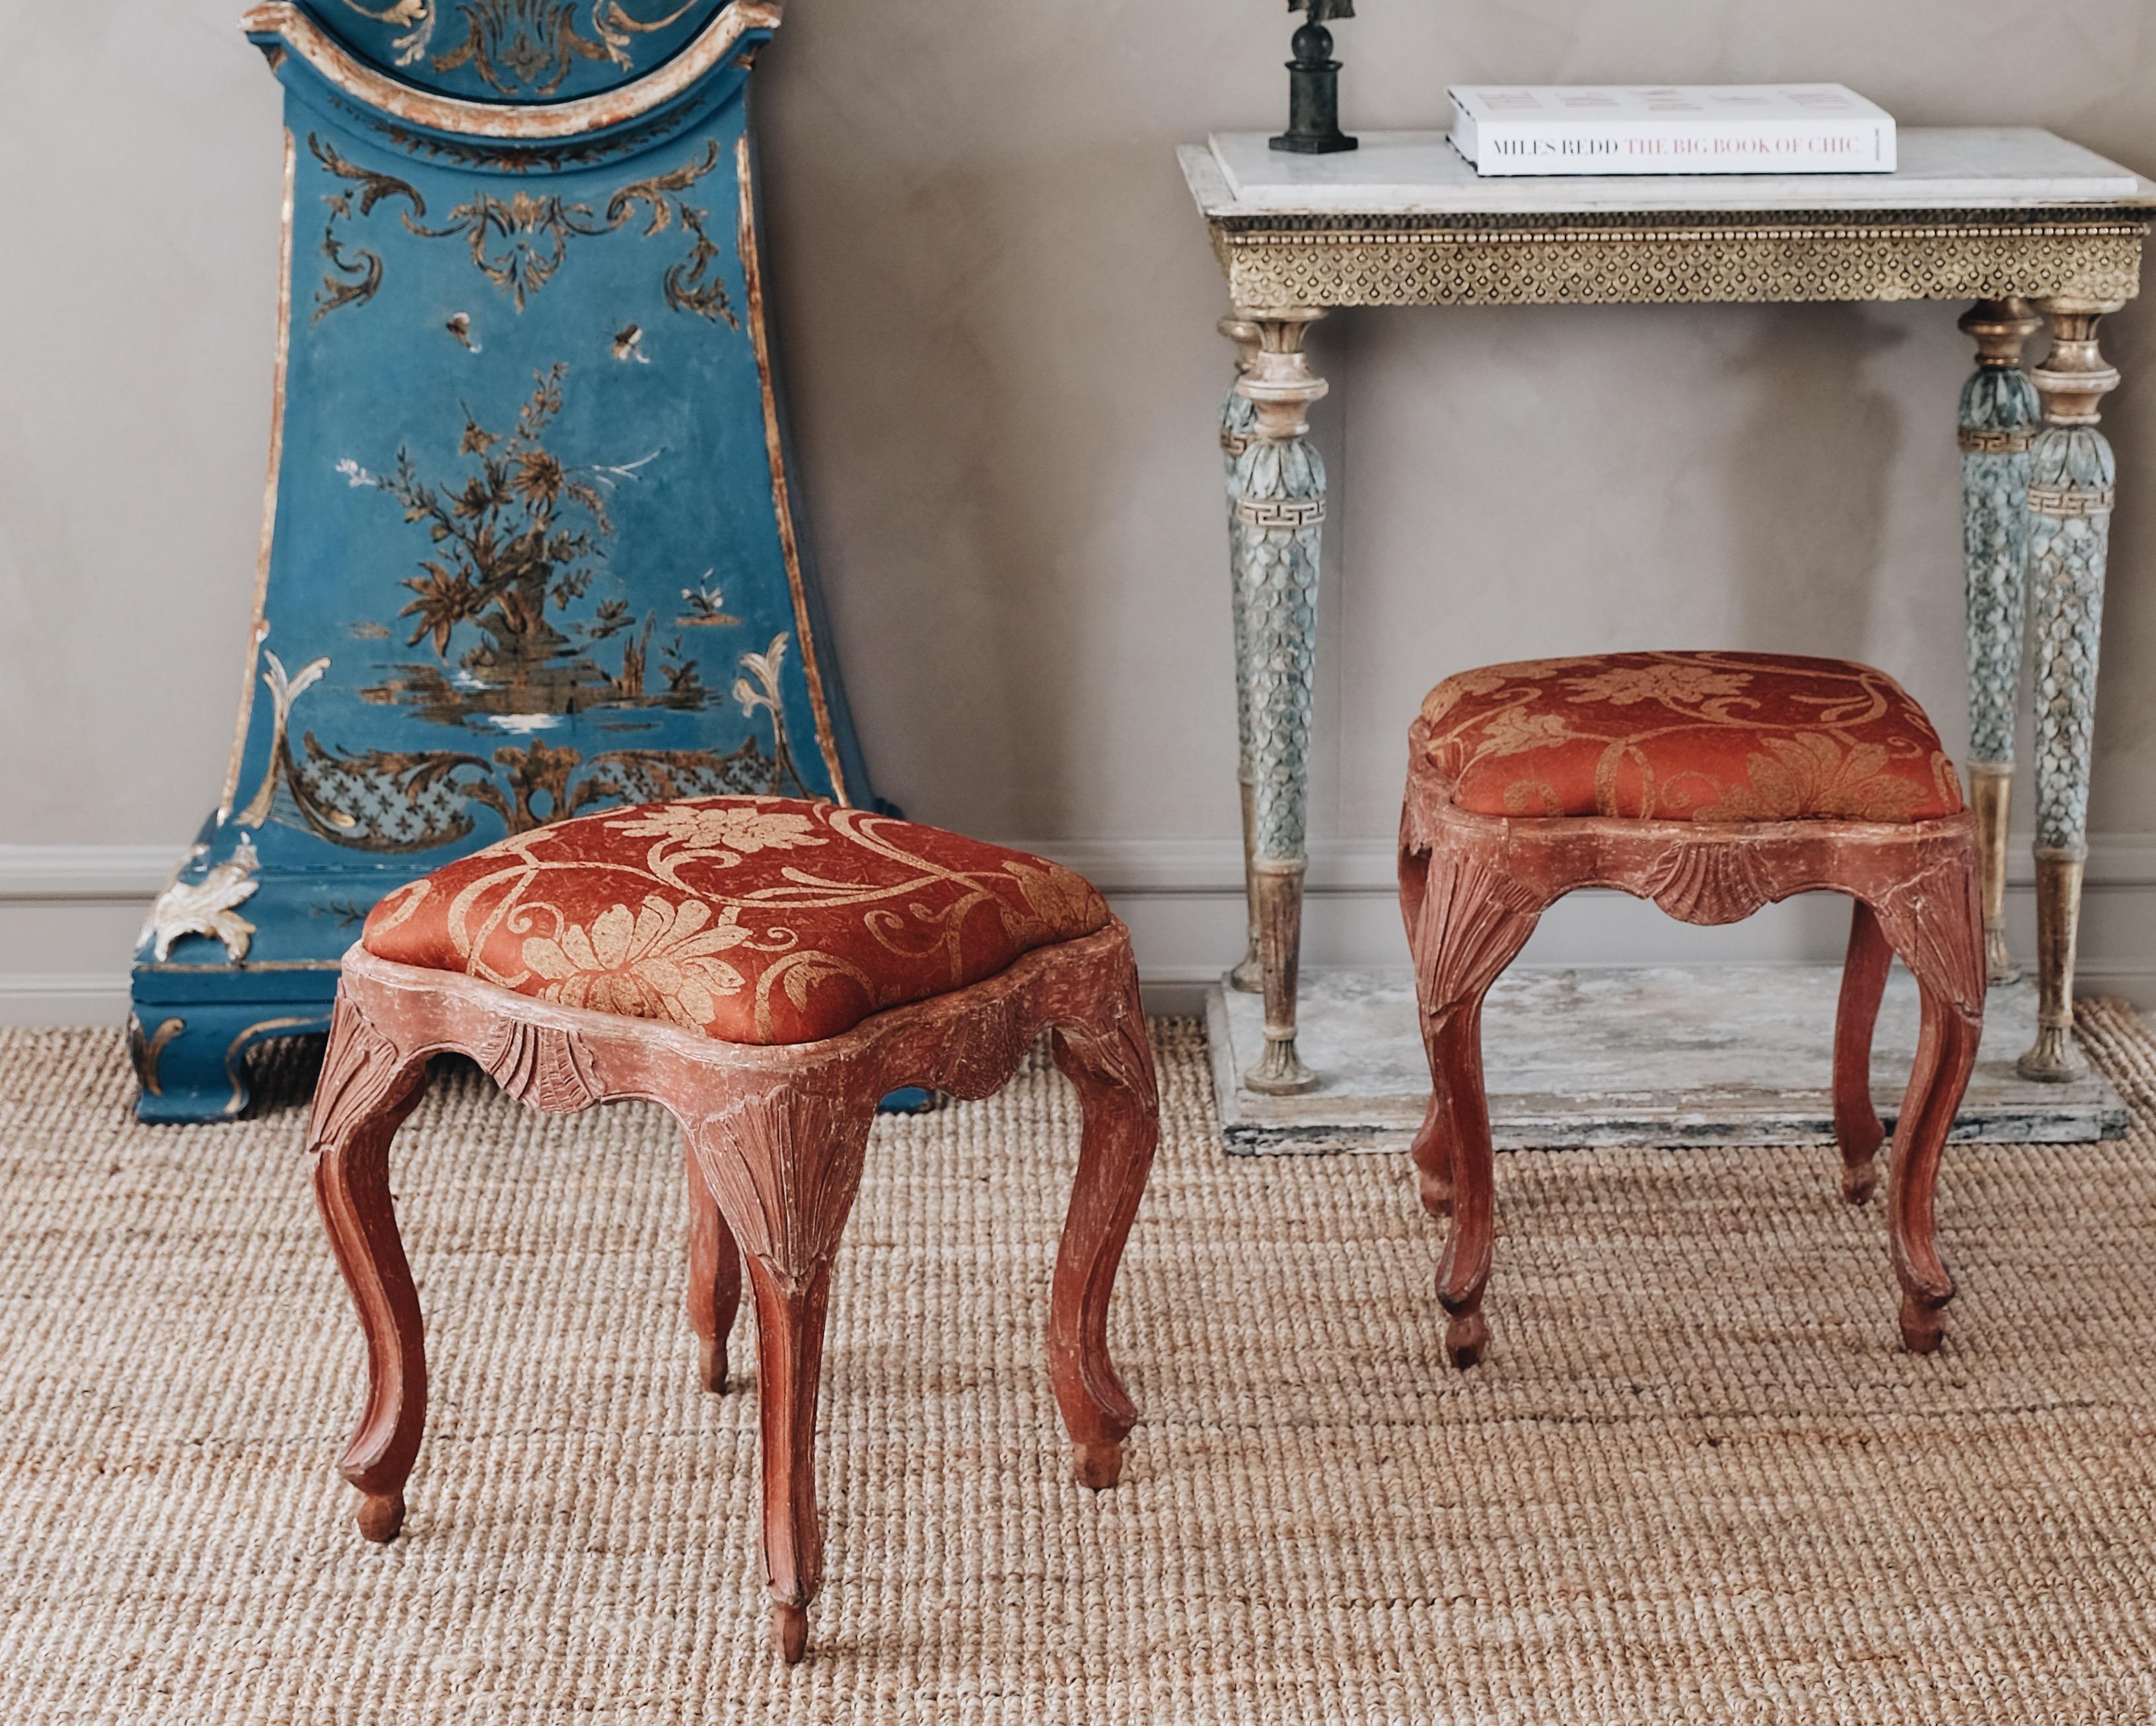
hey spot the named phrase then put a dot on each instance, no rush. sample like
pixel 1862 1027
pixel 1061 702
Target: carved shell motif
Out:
pixel 1711 882
pixel 548 1068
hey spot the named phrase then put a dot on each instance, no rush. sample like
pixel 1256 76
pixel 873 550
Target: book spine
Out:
pixel 1510 146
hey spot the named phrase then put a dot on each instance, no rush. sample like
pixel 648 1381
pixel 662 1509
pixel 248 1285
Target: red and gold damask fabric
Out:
pixel 1689 737
pixel 751 919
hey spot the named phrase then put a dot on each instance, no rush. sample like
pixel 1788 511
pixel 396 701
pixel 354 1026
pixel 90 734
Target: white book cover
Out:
pixel 1670 129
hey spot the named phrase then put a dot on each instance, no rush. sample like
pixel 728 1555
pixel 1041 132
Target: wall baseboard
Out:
pixel 69 914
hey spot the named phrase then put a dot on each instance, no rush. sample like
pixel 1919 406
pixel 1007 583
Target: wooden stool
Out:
pixel 1711 783
pixel 766 970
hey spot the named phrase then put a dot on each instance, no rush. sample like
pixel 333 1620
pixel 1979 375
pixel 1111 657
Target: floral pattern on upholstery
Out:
pixel 750 919
pixel 1689 737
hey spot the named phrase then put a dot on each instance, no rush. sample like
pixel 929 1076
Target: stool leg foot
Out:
pixel 789 1631
pixel 1466 1335
pixel 1923 1324
pixel 382 1515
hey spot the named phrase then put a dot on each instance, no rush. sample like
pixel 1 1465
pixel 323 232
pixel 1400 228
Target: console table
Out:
pixel 2031 228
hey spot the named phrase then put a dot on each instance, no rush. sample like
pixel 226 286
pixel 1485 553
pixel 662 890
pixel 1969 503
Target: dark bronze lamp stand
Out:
pixel 1313 83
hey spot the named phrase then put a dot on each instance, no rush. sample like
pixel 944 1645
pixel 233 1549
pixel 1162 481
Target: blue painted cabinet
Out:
pixel 531 543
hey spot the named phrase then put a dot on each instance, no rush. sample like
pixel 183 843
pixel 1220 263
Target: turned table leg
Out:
pixel 1999 416
pixel 2071 476
pixel 1278 500
pixel 1239 416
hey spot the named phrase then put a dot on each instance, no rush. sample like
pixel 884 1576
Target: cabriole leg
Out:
pixel 1936 924
pixel 1279 503
pixel 1472 922
pixel 1239 416
pixel 366 1089
pixel 1431 1152
pixel 790 1354
pixel 2071 479
pixel 1999 416
pixel 1109 1058
pixel 784 1165
pixel 715 1276
pixel 1856 1126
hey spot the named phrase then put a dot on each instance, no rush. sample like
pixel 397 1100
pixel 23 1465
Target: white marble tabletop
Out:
pixel 1420 173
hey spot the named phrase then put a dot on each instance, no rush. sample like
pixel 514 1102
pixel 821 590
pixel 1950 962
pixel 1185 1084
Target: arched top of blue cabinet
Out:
pixel 514 51
pixel 601 107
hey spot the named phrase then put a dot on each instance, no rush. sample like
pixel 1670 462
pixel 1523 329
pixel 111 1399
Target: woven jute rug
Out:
pixel 1696 1479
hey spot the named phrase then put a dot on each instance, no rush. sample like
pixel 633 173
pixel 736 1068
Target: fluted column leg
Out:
pixel 2071 478
pixel 1239 419
pixel 1279 502
pixel 1999 416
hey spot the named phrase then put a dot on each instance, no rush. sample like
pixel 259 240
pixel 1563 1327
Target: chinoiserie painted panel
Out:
pixel 530 546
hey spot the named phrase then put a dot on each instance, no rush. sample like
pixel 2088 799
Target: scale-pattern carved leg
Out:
pixel 784 1164
pixel 715 1276
pixel 1998 419
pixel 1474 921
pixel 1935 922
pixel 1109 1060
pixel 366 1089
pixel 2071 481
pixel 1239 419
pixel 1856 1125
pixel 1279 503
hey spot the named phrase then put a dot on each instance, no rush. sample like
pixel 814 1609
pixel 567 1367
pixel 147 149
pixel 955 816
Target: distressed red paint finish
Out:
pixel 776 1139
pixel 1473 885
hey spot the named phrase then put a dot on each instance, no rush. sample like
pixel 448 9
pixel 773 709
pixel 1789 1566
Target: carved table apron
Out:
pixel 2029 226
pixel 530 542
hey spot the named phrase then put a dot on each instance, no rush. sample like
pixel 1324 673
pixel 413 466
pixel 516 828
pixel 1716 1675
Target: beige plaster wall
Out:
pixel 996 309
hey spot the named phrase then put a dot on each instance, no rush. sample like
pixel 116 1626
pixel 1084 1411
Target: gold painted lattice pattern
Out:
pixel 1408 260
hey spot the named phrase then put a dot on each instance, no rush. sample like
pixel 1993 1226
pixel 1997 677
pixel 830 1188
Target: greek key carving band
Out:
pixel 1281 511
pixel 2063 502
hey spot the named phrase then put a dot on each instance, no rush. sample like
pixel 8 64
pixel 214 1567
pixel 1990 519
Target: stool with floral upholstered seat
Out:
pixel 1712 783
pixel 767 969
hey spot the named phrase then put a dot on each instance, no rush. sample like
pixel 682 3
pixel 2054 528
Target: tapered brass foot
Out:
pixel 1278 885
pixel 1990 787
pixel 2053 1059
pixel 1248 975
pixel 1279 1071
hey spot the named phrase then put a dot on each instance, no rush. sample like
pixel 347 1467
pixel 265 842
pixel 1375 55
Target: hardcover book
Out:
pixel 1665 128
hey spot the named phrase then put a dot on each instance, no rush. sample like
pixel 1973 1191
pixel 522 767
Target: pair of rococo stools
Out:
pixel 767 969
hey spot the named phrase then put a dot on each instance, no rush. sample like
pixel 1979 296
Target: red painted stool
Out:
pixel 1711 783
pixel 766 970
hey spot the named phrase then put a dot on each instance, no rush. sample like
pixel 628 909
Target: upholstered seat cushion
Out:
pixel 751 919
pixel 1689 737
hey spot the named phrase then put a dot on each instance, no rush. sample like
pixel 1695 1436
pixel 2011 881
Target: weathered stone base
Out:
pixel 1705 1055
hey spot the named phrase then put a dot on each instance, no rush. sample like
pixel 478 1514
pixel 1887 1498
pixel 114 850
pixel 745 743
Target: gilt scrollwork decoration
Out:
pixel 518 47
pixel 518 242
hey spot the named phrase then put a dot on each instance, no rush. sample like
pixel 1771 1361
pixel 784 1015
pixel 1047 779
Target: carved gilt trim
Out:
pixel 332 61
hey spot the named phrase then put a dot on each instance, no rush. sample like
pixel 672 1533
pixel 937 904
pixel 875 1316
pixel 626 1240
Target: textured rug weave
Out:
pixel 1696 1480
